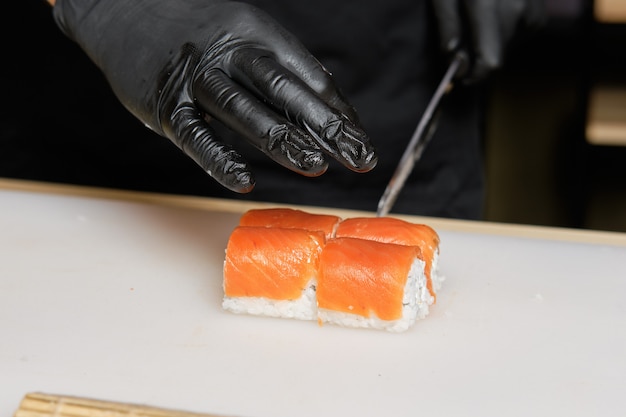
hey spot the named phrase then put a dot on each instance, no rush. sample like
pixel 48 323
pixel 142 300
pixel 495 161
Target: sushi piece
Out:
pixel 365 272
pixel 370 284
pixel 401 232
pixel 291 219
pixel 272 271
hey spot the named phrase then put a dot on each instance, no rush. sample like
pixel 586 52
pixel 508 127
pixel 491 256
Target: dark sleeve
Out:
pixel 62 122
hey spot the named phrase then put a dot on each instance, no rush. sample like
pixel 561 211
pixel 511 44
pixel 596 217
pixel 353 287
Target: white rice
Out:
pixel 303 308
pixel 435 274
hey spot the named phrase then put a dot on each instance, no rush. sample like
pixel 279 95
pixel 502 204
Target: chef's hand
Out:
pixel 484 28
pixel 177 65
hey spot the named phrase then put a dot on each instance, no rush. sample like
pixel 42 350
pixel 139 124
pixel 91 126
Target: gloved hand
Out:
pixel 177 65
pixel 484 28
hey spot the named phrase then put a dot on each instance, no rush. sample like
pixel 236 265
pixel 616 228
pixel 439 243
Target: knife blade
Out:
pixel 422 135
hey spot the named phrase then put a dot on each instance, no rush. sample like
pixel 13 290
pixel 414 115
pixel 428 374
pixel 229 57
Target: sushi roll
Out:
pixel 291 219
pixel 369 284
pixel 401 232
pixel 272 271
pixel 378 273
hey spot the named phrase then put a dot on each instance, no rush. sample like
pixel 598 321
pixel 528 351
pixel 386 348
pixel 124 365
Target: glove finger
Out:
pixel 335 132
pixel 310 71
pixel 242 112
pixel 487 43
pixel 289 52
pixel 449 24
pixel 198 140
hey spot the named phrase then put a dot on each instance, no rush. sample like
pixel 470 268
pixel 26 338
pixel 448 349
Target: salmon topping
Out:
pixel 398 231
pixel 275 263
pixel 364 277
pixel 290 219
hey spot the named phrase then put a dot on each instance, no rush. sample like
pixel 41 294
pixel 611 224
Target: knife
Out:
pixel 422 134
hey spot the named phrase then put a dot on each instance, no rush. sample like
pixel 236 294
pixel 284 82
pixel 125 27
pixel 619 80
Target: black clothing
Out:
pixel 384 56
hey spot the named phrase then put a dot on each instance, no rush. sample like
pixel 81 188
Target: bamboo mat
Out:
pixel 47 405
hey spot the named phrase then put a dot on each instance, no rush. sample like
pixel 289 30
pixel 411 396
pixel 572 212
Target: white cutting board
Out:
pixel 120 301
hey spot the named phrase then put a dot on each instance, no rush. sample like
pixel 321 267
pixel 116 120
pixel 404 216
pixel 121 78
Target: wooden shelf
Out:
pixel 606 119
pixel 610 11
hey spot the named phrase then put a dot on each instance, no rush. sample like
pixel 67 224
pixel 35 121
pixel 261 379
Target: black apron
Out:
pixel 66 126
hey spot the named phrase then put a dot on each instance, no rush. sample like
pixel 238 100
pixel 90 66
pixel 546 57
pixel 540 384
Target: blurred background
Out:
pixel 555 142
pixel 556 125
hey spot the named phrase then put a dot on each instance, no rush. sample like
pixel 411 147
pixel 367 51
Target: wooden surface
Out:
pixel 606 123
pixel 232 206
pixel 610 11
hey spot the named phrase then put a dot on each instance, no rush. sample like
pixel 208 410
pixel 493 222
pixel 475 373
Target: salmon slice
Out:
pixel 271 263
pixel 365 278
pixel 397 231
pixel 291 219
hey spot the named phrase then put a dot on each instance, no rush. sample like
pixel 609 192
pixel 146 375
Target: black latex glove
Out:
pixel 484 29
pixel 176 65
